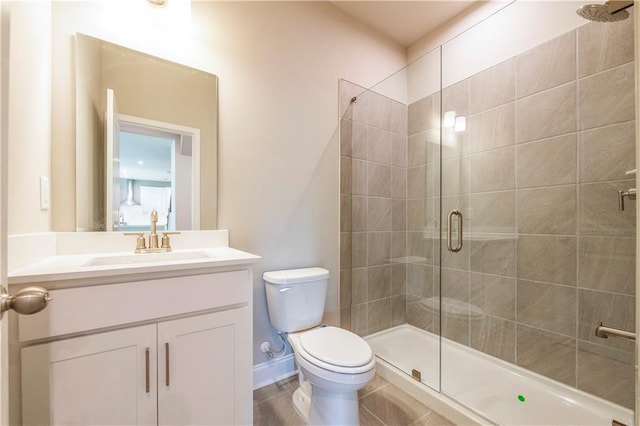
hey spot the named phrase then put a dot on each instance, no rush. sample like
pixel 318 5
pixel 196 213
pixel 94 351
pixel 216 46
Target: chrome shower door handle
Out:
pixel 630 194
pixel 450 247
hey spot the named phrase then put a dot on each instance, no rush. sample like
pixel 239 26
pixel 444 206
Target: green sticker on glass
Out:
pixel 521 398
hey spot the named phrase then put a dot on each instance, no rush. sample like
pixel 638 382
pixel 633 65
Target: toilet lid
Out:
pixel 336 346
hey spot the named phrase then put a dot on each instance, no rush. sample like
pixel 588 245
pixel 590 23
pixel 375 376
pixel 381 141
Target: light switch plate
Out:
pixel 44 193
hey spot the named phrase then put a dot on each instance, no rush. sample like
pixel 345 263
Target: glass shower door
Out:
pixel 538 139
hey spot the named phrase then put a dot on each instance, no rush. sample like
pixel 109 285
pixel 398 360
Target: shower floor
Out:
pixel 496 390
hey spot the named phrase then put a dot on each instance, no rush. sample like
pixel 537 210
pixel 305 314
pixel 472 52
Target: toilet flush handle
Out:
pixel 284 290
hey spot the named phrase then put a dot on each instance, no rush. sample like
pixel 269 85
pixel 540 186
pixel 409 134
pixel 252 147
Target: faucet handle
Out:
pixel 140 242
pixel 166 244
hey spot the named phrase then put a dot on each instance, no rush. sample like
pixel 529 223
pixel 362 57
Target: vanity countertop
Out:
pixel 98 265
pixel 56 260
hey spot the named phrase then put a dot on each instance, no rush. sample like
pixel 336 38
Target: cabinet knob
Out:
pixel 29 300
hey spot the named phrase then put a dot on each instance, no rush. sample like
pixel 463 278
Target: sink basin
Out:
pixel 128 259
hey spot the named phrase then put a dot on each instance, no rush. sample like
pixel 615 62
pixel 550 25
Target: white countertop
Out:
pixel 74 267
pixel 86 258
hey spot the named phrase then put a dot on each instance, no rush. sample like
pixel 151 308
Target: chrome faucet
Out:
pixel 141 244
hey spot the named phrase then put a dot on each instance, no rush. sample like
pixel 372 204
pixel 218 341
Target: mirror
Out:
pixel 159 149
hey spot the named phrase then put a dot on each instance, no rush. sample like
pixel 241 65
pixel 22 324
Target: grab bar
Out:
pixel 450 231
pixel 604 332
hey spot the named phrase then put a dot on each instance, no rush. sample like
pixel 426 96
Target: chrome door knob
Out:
pixel 29 300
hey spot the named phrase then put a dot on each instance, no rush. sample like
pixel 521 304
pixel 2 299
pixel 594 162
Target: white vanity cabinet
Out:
pixel 118 354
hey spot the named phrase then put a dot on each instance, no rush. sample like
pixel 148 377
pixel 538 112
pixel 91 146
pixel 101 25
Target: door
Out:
pixel 105 378
pixel 204 369
pixel 112 163
pixel 4 319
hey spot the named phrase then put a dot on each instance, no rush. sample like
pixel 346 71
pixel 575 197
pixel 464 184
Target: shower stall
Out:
pixel 481 223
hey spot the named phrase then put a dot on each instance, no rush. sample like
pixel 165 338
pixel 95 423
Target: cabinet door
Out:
pixel 102 379
pixel 204 370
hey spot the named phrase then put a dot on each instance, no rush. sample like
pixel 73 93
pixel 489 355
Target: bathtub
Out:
pixel 480 389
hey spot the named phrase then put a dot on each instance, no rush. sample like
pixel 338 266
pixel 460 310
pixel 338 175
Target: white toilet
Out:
pixel 333 363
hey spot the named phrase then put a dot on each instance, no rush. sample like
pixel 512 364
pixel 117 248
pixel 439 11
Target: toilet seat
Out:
pixel 335 349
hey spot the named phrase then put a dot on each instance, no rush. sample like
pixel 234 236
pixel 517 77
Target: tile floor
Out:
pixel 381 404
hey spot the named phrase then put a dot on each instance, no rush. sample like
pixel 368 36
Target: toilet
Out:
pixel 333 363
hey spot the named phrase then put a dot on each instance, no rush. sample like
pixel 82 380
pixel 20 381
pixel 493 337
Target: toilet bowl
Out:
pixel 333 363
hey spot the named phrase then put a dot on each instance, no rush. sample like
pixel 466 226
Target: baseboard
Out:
pixel 273 370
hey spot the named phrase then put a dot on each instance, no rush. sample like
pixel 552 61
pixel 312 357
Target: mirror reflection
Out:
pixel 145 140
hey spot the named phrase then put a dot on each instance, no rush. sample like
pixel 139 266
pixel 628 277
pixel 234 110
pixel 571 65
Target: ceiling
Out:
pixel 404 22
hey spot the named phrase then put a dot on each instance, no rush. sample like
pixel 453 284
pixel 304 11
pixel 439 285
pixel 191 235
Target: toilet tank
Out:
pixel 295 297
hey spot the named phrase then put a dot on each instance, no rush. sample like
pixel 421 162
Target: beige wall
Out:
pixel 278 65
pixel 29 115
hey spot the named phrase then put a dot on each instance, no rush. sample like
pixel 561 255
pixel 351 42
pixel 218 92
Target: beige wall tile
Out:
pixel 417 182
pixel 359 318
pixel 417 149
pixel 492 170
pixel 494 295
pixel 398 244
pixel 345 288
pixel 345 213
pixel 379 143
pixel 379 315
pixel 398 279
pixel 613 310
pixel 358 177
pixel 606 153
pixel 607 263
pixel 494 128
pixel 346 175
pixel 399 183
pixel 359 140
pixel 378 214
pixel 358 213
pixel 420 115
pixel 359 277
pixel 547 306
pixel 549 210
pixel 419 246
pixel 399 149
pixel 492 212
pixel 606 373
pixel 359 245
pixel 598 212
pixel 547 162
pixel 494 336
pixel 604 46
pixel 547 258
pixel 456 98
pixel 378 180
pixel 378 248
pixel 379 282
pixel 399 215
pixel 398 118
pixel 492 87
pixel 398 310
pixel 345 250
pixel 547 65
pixel 379 112
pixel 549 354
pixel 546 114
pixel 607 97
pixel 455 176
pixel 494 256
pixel 346 130
pixel 416 214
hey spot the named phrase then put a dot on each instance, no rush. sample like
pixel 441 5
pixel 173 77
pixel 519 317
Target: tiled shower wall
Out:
pixel 373 210
pixel 547 256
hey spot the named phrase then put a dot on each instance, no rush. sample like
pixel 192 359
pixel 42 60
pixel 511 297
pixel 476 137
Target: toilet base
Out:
pixel 326 408
pixel 302 401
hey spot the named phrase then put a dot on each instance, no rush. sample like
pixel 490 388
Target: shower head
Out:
pixel 610 11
